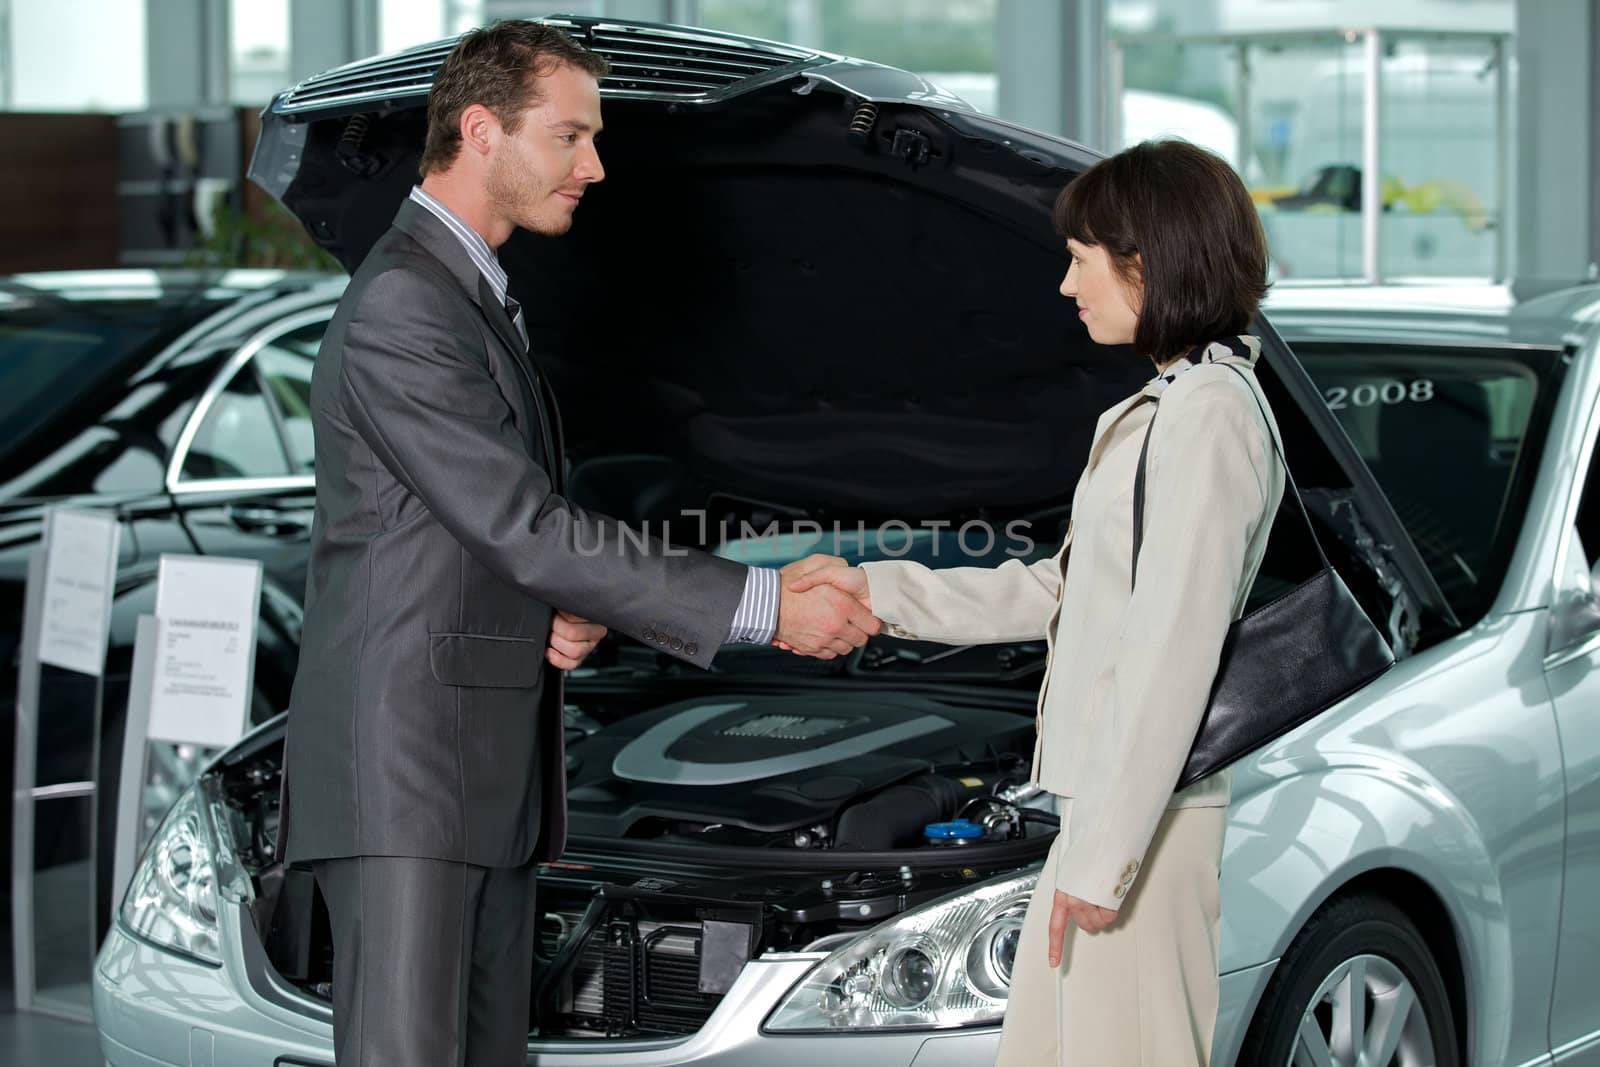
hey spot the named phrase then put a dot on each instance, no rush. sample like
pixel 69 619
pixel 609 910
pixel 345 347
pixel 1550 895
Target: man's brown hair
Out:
pixel 1189 219
pixel 498 66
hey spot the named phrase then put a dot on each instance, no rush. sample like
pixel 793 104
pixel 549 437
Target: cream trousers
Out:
pixel 1143 991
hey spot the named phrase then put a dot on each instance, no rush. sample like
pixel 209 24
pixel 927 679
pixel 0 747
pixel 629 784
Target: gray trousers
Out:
pixel 432 961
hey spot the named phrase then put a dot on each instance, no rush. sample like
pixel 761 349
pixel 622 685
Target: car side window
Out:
pixel 238 437
pixel 285 366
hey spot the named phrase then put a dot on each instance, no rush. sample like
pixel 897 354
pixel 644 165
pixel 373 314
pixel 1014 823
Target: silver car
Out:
pixel 811 293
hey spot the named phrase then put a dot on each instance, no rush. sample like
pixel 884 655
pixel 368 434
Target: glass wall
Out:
pixel 403 23
pixel 950 41
pixel 73 55
pixel 1289 110
pixel 259 53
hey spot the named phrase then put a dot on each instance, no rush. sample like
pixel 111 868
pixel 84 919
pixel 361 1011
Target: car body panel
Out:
pixel 1449 769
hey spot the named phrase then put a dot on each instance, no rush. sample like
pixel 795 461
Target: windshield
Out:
pixel 65 363
pixel 49 356
pixel 1454 437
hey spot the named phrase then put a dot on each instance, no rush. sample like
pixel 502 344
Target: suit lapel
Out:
pixel 1110 419
pixel 1150 394
pixel 538 387
pixel 506 330
pixel 425 228
pixel 498 317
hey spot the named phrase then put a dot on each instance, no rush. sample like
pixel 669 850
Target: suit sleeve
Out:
pixel 1208 485
pixel 966 605
pixel 426 404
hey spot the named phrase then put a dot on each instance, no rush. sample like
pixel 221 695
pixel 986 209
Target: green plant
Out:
pixel 268 237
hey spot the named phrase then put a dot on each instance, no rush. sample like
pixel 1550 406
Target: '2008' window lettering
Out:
pixel 1371 394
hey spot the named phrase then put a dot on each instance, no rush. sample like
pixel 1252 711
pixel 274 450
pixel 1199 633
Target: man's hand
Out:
pixel 808 573
pixel 571 639
pixel 822 622
pixel 1090 918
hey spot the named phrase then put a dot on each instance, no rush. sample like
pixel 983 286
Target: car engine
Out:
pixel 746 821
pixel 865 771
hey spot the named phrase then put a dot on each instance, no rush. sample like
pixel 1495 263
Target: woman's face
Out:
pixel 1106 304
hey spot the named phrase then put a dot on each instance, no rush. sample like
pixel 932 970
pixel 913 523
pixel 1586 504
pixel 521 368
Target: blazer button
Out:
pixel 662 639
pixel 649 635
pixel 1119 891
pixel 692 649
pixel 677 644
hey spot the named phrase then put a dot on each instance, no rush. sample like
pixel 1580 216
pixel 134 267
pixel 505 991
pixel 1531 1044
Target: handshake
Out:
pixel 824 609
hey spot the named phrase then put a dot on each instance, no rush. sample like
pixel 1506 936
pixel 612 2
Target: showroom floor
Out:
pixel 41 1041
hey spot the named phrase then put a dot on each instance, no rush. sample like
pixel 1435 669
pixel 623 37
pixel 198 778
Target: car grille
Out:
pixel 631 978
pixel 646 61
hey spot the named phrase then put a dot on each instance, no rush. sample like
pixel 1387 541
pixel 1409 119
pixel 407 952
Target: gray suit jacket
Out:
pixel 424 719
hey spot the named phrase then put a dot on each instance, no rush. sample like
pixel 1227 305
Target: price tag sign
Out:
pixel 80 573
pixel 205 649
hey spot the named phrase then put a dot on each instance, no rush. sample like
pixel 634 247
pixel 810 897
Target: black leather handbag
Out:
pixel 1285 661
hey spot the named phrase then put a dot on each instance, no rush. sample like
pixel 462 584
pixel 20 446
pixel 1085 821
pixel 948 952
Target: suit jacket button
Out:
pixel 677 644
pixel 1119 891
pixel 692 649
pixel 649 635
pixel 662 639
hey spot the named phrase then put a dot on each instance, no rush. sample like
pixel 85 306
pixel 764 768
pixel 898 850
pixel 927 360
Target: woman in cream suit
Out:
pixel 1117 963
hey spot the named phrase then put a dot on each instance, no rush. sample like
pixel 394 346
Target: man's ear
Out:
pixel 479 127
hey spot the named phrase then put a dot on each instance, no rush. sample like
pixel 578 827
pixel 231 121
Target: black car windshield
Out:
pixel 1454 437
pixel 51 356
pixel 64 356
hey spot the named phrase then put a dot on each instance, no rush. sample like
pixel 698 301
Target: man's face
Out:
pixel 537 175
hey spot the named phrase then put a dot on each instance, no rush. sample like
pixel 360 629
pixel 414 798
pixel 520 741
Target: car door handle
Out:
pixel 267 520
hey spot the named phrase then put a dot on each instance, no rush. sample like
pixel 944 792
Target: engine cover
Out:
pixel 771 764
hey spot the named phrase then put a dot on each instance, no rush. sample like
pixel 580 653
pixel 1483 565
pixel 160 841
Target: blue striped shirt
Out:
pixel 756 620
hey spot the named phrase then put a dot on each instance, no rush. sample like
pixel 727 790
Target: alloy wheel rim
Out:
pixel 1365 1013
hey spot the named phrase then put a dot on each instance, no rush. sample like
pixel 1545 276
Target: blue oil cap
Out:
pixel 961 830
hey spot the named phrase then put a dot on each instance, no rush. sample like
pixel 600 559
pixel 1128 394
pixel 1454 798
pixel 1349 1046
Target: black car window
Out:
pixel 63 365
pixel 285 365
pixel 1453 436
pixel 238 437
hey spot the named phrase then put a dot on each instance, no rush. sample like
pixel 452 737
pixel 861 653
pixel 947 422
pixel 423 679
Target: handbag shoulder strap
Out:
pixel 1291 487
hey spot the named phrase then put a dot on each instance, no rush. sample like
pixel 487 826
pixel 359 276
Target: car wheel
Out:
pixel 1358 985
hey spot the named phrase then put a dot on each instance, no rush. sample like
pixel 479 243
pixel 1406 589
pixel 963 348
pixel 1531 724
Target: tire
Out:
pixel 1361 941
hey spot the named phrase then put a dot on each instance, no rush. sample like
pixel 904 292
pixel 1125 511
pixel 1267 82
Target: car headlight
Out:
pixel 172 899
pixel 944 964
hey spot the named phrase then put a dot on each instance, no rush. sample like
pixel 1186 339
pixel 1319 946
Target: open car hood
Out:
pixel 808 286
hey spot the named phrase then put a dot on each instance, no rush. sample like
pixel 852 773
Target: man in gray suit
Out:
pixel 425 773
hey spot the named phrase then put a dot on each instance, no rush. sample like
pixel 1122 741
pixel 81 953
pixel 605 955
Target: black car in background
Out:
pixel 178 400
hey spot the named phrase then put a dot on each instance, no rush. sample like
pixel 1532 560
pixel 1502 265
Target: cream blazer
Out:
pixel 1129 671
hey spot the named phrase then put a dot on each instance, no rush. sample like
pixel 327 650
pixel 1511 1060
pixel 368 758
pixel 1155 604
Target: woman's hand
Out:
pixel 1088 917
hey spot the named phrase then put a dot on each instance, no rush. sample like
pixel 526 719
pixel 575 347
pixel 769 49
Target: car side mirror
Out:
pixel 1577 609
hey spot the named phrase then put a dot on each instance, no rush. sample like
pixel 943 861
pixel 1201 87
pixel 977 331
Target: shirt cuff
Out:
pixel 756 621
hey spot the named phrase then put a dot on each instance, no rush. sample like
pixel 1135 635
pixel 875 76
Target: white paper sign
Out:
pixel 80 572
pixel 205 649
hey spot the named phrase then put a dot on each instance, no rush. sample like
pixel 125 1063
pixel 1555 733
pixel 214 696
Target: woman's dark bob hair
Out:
pixel 1187 218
